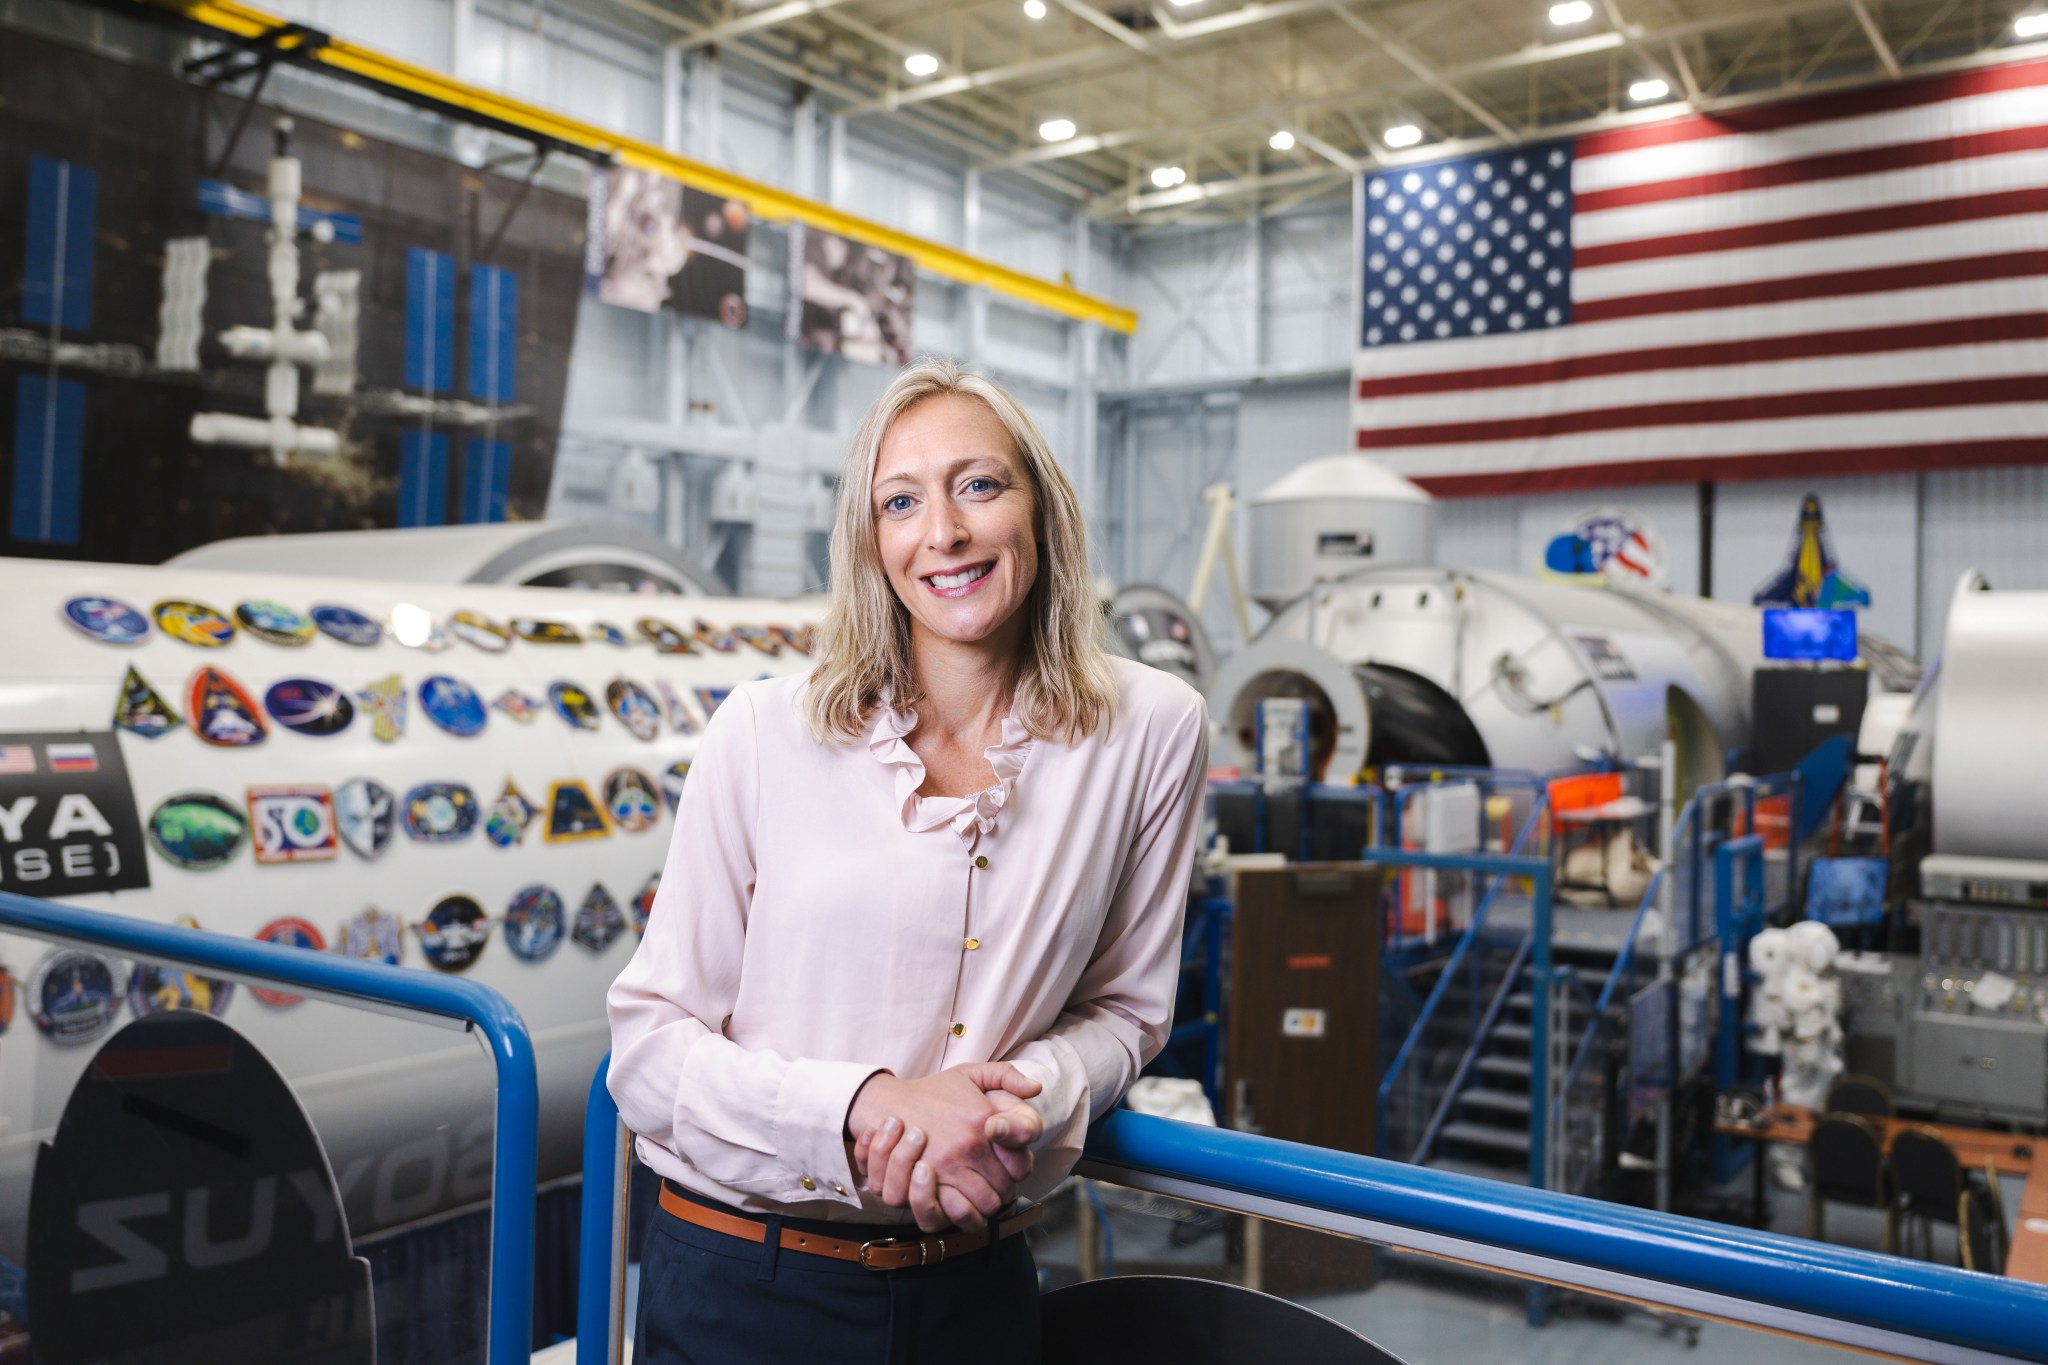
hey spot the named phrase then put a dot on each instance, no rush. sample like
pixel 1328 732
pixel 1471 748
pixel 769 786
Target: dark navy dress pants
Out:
pixel 707 1298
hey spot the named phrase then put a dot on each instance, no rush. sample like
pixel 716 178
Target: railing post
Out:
pixel 1541 1107
pixel 601 1259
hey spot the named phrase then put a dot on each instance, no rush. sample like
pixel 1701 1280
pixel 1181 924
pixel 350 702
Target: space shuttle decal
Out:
pixel 1811 576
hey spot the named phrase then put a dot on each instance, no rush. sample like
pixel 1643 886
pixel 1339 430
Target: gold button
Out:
pixel 839 1189
pixel 959 1030
pixel 981 862
pixel 972 944
pixel 809 1183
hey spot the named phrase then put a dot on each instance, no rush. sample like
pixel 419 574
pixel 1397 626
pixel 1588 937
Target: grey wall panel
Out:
pixel 1994 520
pixel 1281 427
pixel 1306 319
pixel 1872 522
pixel 1479 533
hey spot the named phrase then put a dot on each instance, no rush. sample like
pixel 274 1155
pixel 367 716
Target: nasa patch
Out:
pixel 758 638
pixel 416 628
pixel 384 703
pixel 453 705
pixel 153 988
pixel 672 783
pixel 73 995
pixel 711 698
pixel 634 707
pixel 506 822
pixel 798 638
pixel 545 632
pixel 347 625
pixel 107 620
pixel 221 711
pixel 440 812
pixel 604 632
pixel 291 933
pixel 292 825
pixel 518 705
pixel 573 815
pixel 643 904
pixel 533 924
pixel 632 800
pixel 454 933
pixel 599 920
pixel 196 830
pixel 573 705
pixel 373 936
pixel 365 815
pixel 308 706
pixel 193 622
pixel 711 637
pixel 473 627
pixel 274 622
pixel 665 638
pixel 678 710
pixel 140 711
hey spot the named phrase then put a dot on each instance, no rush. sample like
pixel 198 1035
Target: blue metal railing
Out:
pixel 1494 1008
pixel 515 1162
pixel 1853 1298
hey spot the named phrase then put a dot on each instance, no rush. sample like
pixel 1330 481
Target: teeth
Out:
pixel 945 581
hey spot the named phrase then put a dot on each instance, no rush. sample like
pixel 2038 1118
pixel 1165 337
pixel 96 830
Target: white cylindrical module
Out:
pixel 1990 730
pixel 1331 517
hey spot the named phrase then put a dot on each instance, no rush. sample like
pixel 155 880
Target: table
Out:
pixel 2008 1153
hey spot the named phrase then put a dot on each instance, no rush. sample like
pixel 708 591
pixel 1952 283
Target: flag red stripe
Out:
pixel 1964 393
pixel 1784 465
pixel 1912 336
pixel 1917 275
pixel 1898 156
pixel 1872 99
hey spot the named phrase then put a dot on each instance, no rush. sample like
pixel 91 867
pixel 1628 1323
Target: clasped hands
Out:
pixel 950 1147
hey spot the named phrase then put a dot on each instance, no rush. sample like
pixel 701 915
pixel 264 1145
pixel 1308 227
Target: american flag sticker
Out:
pixel 16 759
pixel 71 758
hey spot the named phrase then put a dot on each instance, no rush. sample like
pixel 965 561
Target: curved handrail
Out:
pixel 515 1165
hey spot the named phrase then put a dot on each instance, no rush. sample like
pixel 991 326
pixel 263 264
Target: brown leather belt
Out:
pixel 884 1253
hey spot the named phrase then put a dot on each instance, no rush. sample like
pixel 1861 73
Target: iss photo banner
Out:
pixel 849 298
pixel 660 244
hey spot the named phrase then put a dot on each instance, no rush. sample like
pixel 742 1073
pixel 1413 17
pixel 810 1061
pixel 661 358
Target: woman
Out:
pixel 920 923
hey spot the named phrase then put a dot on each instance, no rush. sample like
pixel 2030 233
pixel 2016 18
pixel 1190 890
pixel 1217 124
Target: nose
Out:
pixel 944 529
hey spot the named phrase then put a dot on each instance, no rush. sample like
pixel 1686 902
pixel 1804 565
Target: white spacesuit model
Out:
pixel 1797 1013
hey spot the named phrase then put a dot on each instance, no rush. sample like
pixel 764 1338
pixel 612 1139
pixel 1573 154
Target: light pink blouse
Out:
pixel 818 920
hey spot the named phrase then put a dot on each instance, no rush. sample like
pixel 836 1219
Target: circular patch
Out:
pixel 197 830
pixel 672 780
pixel 480 630
pixel 545 632
pixel 415 628
pixel 607 633
pixel 454 933
pixel 152 988
pixel 643 904
pixel 274 621
pixel 440 812
pixel 635 707
pixel 663 636
pixel 193 622
pixel 632 800
pixel 107 620
pixel 533 924
pixel 292 933
pixel 72 995
pixel 758 638
pixel 574 705
pixel 347 625
pixel 373 936
pixel 365 815
pixel 309 706
pixel 711 637
pixel 453 705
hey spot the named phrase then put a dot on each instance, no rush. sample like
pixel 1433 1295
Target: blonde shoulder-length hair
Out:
pixel 1066 690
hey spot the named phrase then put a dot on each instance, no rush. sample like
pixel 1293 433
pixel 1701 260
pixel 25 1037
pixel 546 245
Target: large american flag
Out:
pixel 1855 283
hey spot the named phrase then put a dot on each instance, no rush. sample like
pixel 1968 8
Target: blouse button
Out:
pixel 981 862
pixel 959 1030
pixel 972 944
pixel 839 1189
pixel 808 1183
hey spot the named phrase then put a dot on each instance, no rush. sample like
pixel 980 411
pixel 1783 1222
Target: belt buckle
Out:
pixel 890 1244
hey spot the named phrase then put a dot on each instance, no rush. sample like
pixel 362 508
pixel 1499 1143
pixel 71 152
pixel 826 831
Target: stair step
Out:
pixel 1518 1034
pixel 1505 1068
pixel 1507 1140
pixel 1496 1101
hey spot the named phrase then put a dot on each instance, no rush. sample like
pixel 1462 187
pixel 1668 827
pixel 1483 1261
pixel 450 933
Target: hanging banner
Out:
pixel 663 245
pixel 850 299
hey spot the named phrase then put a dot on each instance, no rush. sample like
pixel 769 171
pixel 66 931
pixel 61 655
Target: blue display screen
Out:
pixel 1809 633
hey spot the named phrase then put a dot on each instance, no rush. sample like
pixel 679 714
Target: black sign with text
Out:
pixel 67 816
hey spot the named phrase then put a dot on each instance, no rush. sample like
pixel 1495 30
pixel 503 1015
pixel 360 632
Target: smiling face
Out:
pixel 955 521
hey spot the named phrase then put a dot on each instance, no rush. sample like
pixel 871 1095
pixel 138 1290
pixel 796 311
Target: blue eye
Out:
pixel 981 483
pixel 899 503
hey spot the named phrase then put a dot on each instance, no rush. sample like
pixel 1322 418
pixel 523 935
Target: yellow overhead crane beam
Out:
pixel 236 20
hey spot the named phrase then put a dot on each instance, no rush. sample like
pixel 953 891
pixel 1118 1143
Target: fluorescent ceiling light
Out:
pixel 1034 9
pixel 1651 89
pixel 1166 177
pixel 1282 141
pixel 1402 135
pixel 2030 25
pixel 1570 12
pixel 920 63
pixel 1056 130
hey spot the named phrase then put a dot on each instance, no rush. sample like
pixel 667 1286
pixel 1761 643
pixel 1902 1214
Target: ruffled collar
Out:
pixel 970 817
